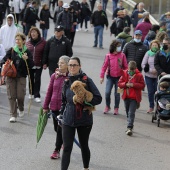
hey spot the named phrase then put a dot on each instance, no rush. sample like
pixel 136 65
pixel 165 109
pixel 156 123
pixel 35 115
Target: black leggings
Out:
pixel 68 134
pixel 58 130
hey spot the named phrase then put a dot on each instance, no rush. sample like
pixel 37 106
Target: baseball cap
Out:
pixel 59 28
pixel 138 32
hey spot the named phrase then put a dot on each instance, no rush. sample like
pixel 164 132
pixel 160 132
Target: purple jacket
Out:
pixel 54 93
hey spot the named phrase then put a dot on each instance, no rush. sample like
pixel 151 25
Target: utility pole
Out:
pixel 160 8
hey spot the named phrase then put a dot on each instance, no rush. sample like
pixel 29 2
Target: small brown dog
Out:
pixel 82 95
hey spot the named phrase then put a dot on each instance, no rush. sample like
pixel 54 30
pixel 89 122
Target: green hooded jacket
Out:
pixel 125 36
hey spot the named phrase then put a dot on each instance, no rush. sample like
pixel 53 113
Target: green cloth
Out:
pixel 125 36
pixel 151 53
pixel 20 53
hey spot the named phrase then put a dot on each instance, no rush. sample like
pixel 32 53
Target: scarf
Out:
pixel 17 50
pixel 151 53
pixel 58 73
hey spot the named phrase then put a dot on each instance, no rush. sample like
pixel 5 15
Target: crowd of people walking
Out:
pixel 133 60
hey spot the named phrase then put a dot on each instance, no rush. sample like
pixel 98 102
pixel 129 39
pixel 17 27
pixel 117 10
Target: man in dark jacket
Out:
pixel 56 46
pixel 30 17
pixel 65 19
pixel 135 50
pixel 151 35
pixel 98 20
pixel 162 58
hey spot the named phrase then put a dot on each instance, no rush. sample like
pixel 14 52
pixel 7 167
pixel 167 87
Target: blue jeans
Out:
pixel 104 4
pixel 151 86
pixel 130 106
pixel 98 31
pixel 44 33
pixel 109 85
pixel 114 2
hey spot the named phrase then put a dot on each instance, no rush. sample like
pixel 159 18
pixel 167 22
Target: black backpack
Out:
pixel 113 28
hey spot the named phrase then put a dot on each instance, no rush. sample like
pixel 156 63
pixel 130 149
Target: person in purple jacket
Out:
pixel 150 72
pixel 114 62
pixel 53 99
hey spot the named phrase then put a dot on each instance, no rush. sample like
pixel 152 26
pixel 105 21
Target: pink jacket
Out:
pixel 54 93
pixel 111 61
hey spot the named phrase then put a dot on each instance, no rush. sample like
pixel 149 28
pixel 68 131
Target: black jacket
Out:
pixel 44 16
pixel 19 63
pixel 72 116
pixel 162 63
pixel 54 49
pixel 135 52
pixel 119 25
pixel 65 19
pixel 85 10
pixel 99 18
pixel 30 16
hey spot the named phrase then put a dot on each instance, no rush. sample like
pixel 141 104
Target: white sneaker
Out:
pixel 12 119
pixel 37 99
pixel 77 30
pixel 21 113
pixel 31 96
pixel 86 30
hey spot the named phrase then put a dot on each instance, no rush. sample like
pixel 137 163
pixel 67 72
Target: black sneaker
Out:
pixel 129 132
pixel 94 45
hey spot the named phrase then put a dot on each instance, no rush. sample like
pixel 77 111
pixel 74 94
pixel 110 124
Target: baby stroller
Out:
pixel 162 99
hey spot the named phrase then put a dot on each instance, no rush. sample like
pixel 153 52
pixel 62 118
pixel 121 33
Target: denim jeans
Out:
pixel 151 86
pixel 114 2
pixel 44 33
pixel 104 3
pixel 109 85
pixel 98 31
pixel 130 106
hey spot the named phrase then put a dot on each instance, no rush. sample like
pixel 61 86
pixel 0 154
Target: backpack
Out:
pixel 113 28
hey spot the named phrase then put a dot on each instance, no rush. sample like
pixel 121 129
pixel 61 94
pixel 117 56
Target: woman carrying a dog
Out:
pixel 75 116
pixel 53 99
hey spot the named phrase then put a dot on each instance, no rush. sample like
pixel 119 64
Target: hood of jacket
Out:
pixel 151 35
pixel 13 23
pixel 123 35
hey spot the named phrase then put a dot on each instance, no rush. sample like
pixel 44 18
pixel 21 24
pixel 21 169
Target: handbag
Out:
pixel 146 68
pixel 8 69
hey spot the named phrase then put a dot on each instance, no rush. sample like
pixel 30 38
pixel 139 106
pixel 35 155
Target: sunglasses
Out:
pixel 73 65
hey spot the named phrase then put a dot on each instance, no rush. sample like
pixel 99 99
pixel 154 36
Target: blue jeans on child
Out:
pixel 109 85
pixel 130 106
pixel 98 31
pixel 44 33
pixel 151 86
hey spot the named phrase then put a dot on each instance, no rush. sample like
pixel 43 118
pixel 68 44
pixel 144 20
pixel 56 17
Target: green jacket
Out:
pixel 125 36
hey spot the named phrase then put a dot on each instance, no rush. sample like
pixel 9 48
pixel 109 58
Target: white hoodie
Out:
pixel 7 34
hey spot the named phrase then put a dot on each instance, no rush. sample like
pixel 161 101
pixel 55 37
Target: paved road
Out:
pixel 111 149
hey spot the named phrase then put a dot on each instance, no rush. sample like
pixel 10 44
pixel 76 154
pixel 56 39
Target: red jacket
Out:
pixel 138 85
pixel 37 51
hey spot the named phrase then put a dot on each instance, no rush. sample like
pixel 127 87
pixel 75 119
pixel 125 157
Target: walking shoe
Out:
pixel 106 110
pixel 55 155
pixel 94 45
pixel 12 120
pixel 31 96
pixel 150 110
pixel 129 132
pixel 116 111
pixel 86 30
pixel 37 99
pixel 21 113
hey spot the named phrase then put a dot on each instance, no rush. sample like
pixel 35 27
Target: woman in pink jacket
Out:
pixel 54 99
pixel 114 62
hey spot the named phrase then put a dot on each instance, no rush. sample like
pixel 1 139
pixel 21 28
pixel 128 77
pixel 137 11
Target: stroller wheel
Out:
pixel 158 122
pixel 153 118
